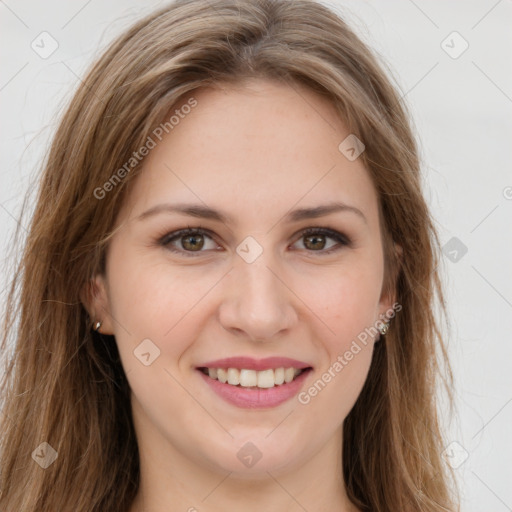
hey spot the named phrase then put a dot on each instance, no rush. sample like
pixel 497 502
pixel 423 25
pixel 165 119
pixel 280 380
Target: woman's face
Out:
pixel 247 169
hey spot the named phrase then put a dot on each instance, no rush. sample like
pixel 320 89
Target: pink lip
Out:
pixel 252 398
pixel 249 363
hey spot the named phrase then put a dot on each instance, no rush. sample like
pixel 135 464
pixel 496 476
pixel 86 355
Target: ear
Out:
pixel 389 290
pixel 95 299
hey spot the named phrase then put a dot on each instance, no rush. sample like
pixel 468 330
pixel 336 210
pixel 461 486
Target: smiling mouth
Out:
pixel 254 379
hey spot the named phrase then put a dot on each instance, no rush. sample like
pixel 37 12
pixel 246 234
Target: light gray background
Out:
pixel 462 110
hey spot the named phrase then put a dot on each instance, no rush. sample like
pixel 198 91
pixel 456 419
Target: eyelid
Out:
pixel 341 239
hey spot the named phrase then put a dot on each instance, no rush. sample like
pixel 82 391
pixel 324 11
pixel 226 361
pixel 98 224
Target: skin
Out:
pixel 255 152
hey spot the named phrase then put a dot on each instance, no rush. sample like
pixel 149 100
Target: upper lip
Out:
pixel 250 363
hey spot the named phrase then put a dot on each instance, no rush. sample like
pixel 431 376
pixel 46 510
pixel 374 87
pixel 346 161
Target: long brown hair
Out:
pixel 63 383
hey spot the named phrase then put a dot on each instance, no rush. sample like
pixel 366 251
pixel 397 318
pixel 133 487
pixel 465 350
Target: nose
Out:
pixel 258 303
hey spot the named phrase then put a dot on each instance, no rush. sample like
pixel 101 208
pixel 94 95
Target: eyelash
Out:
pixel 343 240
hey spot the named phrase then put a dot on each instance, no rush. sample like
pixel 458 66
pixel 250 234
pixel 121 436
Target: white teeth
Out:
pixel 251 378
pixel 248 378
pixel 233 376
pixel 289 373
pixel 222 375
pixel 279 376
pixel 266 379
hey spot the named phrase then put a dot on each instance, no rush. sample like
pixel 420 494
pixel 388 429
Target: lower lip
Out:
pixel 256 398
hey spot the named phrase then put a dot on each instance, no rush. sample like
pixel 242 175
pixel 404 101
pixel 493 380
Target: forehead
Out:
pixel 259 148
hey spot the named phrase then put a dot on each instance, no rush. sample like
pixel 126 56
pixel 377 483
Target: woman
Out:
pixel 227 291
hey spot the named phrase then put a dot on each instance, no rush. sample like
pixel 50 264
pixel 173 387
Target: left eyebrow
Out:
pixel 323 210
pixel 204 212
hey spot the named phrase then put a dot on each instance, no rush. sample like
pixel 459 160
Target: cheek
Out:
pixel 153 298
pixel 348 305
pixel 347 301
pixel 152 301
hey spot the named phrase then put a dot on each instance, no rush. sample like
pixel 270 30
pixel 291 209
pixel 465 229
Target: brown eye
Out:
pixel 192 242
pixel 188 241
pixel 314 242
pixel 317 240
